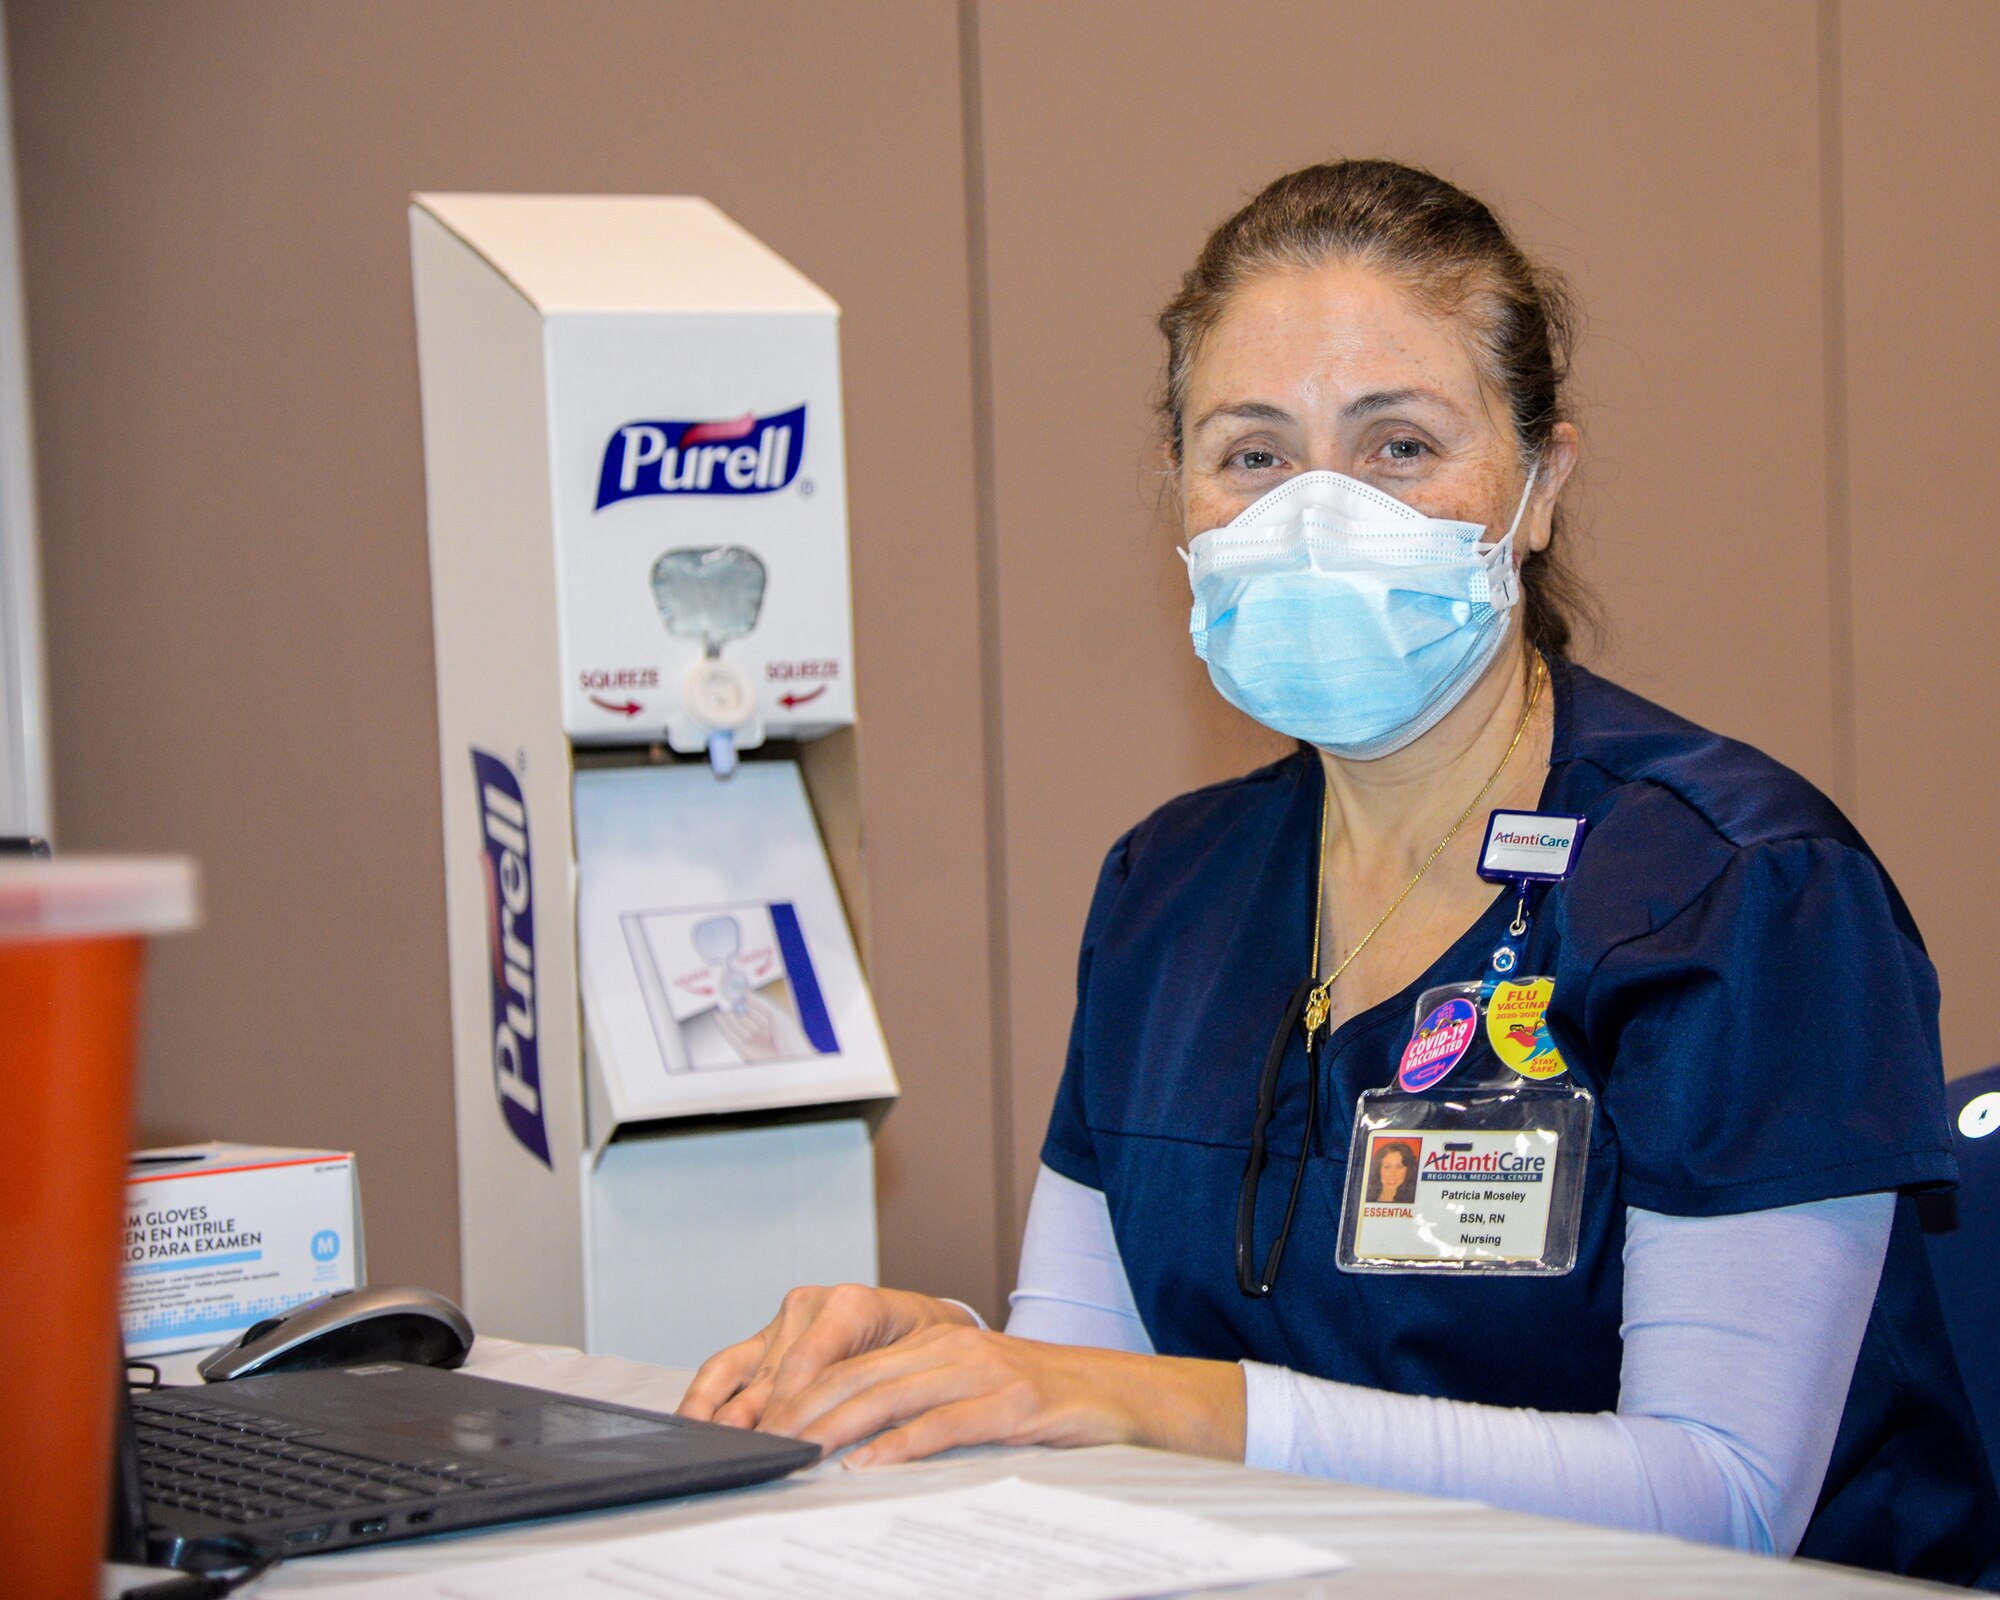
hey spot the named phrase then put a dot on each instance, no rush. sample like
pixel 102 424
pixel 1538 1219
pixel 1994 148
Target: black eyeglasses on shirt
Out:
pixel 1254 1284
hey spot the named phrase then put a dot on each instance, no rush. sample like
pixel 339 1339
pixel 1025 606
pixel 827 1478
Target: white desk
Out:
pixel 1401 1545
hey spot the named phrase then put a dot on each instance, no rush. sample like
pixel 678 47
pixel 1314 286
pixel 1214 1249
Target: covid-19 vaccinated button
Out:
pixel 1439 1041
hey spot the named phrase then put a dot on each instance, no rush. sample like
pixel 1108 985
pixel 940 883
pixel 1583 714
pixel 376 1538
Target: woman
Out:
pixel 1391 1178
pixel 1359 363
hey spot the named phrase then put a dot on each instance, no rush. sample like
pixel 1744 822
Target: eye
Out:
pixel 1255 459
pixel 1404 448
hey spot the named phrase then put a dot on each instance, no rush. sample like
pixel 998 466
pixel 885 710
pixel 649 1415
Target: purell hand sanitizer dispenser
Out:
pixel 668 1065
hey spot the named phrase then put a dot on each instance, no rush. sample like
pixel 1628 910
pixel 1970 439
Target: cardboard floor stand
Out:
pixel 667 1061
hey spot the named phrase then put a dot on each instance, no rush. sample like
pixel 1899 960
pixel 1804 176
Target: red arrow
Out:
pixel 789 700
pixel 629 709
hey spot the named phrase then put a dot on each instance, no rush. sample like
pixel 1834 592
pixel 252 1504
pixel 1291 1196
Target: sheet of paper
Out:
pixel 1002 1541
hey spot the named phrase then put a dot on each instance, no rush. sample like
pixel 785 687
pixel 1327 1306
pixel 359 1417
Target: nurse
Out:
pixel 1367 429
pixel 1392 1177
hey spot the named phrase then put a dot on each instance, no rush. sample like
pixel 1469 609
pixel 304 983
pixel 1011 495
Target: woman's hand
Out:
pixel 814 1329
pixel 942 1386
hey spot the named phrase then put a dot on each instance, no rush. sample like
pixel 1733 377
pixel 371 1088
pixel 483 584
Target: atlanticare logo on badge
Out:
pixel 1434 1049
pixel 510 942
pixel 1514 1165
pixel 744 455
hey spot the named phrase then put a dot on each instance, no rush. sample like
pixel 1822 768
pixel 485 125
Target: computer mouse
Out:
pixel 348 1329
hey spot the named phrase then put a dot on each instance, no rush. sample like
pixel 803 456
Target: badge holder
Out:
pixel 1474 1160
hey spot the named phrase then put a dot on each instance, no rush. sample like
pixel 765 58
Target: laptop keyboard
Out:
pixel 195 1455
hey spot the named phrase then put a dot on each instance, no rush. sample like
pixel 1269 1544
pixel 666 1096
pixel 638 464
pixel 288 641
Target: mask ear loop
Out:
pixel 1509 576
pixel 1521 510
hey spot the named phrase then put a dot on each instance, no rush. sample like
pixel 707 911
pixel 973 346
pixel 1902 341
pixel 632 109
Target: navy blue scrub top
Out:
pixel 1736 980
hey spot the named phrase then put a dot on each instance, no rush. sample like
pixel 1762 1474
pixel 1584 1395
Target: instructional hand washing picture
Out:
pixel 729 986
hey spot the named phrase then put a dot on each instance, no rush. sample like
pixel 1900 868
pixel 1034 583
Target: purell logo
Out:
pixel 510 941
pixel 746 455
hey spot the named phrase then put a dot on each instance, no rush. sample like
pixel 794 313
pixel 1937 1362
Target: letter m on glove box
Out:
pixel 510 927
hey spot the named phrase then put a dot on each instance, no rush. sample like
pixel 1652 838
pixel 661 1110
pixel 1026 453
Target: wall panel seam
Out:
pixel 1833 346
pixel 992 721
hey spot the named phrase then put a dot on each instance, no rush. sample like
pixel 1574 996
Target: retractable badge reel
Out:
pixel 1473 1160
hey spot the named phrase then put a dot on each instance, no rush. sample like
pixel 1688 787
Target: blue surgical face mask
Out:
pixel 1336 614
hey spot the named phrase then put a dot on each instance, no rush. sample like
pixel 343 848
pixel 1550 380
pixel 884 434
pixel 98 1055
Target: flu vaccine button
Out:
pixel 1529 847
pixel 1518 1029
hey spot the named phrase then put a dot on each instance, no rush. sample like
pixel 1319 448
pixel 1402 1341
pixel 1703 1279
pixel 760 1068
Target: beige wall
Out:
pixel 218 278
pixel 1778 217
pixel 1612 137
pixel 1920 147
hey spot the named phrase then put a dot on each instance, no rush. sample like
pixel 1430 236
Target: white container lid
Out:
pixel 91 897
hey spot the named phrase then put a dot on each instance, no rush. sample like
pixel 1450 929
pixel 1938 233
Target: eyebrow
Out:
pixel 1244 411
pixel 1387 399
pixel 1360 406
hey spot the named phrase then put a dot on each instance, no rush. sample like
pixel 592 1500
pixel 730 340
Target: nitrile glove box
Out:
pixel 218 1236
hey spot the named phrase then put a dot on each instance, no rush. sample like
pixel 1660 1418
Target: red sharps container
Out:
pixel 72 941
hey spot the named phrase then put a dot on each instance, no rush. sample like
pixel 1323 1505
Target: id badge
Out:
pixel 1474 1160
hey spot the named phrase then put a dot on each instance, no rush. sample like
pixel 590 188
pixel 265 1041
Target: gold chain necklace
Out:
pixel 1319 1004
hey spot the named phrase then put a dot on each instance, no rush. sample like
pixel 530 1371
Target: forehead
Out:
pixel 1310 337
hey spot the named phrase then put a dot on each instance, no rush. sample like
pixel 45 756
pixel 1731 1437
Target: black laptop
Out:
pixel 295 1463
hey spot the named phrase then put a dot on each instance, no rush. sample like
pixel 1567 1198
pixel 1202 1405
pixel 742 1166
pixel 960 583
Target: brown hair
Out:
pixel 1453 255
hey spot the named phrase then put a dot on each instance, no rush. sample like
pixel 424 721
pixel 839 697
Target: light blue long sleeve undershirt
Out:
pixel 1740 1332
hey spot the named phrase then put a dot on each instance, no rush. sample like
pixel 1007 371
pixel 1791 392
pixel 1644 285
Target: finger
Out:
pixel 967 1356
pixel 721 1376
pixel 794 1410
pixel 741 1404
pixel 897 1400
pixel 853 1321
pixel 745 1408
pixel 984 1419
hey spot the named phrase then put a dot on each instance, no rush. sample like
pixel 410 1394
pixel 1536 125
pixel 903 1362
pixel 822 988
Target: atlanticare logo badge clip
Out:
pixel 745 455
